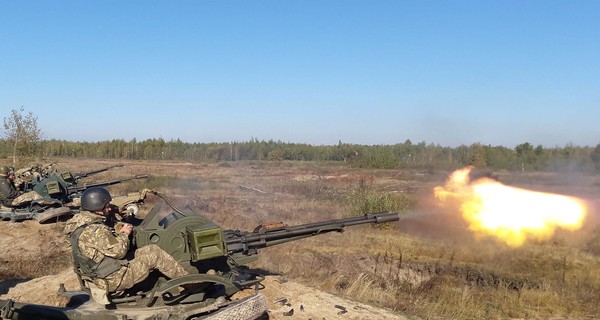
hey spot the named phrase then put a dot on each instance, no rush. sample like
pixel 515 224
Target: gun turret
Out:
pixel 28 178
pixel 200 239
pixel 78 176
pixel 213 255
pixel 56 188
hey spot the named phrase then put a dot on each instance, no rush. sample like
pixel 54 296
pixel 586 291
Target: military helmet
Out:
pixel 95 199
pixel 4 170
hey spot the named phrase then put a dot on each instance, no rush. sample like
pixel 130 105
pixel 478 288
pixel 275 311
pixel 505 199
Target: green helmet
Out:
pixel 95 199
pixel 4 170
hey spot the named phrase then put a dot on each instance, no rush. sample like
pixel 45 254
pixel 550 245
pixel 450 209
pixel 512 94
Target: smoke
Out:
pixel 430 221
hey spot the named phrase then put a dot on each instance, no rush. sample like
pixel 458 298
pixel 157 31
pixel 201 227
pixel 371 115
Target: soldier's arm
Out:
pixel 110 245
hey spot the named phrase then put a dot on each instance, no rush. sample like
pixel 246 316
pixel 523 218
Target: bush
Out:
pixel 364 201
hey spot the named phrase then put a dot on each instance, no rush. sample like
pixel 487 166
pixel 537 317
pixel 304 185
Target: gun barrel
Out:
pixel 89 173
pixel 77 189
pixel 246 243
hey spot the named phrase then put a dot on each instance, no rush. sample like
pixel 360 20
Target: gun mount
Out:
pixel 215 258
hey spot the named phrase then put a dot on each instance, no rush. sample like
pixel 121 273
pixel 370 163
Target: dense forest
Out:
pixel 402 155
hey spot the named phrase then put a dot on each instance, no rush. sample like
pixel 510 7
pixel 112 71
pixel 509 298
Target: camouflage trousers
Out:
pixel 146 259
pixel 26 198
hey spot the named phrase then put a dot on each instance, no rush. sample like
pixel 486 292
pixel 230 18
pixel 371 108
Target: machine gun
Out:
pixel 57 188
pixel 240 245
pixel 27 178
pixel 214 257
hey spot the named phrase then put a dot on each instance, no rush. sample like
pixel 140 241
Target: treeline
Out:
pixel 403 155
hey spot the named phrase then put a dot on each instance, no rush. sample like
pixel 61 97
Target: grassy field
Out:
pixel 427 265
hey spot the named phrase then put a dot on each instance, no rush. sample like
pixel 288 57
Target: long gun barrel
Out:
pixel 89 173
pixel 77 189
pixel 248 243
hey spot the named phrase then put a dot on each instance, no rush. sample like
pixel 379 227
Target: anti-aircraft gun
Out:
pixel 53 199
pixel 214 257
pixel 27 178
pixel 72 179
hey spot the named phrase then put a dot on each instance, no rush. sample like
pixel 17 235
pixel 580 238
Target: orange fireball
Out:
pixel 509 213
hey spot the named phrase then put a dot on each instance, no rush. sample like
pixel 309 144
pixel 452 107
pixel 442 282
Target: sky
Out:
pixel 452 73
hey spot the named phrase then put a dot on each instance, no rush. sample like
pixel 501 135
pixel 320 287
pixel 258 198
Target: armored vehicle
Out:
pixel 215 258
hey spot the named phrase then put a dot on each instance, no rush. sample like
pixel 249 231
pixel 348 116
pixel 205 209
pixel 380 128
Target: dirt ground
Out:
pixel 287 299
pixel 29 248
pixel 35 258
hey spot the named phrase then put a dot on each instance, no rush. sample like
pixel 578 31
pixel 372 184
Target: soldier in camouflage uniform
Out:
pixel 7 188
pixel 108 249
pixel 27 176
pixel 84 217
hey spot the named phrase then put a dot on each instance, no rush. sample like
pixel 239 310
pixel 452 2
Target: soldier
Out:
pixel 102 250
pixel 8 191
pixel 26 177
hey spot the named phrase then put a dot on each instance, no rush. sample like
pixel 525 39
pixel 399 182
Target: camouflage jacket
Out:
pixel 97 241
pixel 85 217
pixel 7 191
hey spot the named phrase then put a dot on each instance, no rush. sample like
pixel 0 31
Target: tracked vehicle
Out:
pixel 220 284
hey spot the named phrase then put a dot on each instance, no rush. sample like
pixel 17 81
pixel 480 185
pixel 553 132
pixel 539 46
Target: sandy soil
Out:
pixel 302 302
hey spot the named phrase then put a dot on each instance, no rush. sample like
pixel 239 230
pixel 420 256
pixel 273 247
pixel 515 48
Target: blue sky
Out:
pixel 317 72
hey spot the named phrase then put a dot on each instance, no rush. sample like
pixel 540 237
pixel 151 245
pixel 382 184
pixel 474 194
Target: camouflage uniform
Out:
pixel 98 241
pixel 7 191
pixel 85 217
pixel 28 197
pixel 26 176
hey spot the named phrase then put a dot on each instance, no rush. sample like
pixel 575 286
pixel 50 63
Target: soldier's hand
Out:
pixel 126 228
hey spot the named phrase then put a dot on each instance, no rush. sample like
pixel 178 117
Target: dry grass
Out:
pixel 427 265
pixel 33 268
